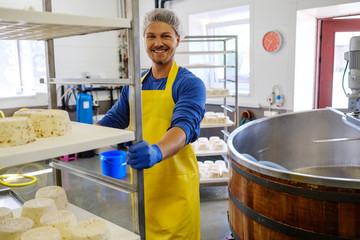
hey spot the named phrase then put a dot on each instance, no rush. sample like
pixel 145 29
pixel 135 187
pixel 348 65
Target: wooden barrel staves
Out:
pixel 263 207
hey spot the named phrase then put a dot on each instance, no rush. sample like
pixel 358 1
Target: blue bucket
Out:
pixel 113 163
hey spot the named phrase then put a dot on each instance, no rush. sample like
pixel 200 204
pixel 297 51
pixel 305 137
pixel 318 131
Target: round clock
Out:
pixel 272 41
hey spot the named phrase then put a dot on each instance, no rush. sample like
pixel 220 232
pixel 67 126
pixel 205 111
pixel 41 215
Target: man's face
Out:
pixel 161 42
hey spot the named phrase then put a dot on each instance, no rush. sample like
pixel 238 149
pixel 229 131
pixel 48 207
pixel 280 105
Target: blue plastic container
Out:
pixel 113 163
pixel 84 108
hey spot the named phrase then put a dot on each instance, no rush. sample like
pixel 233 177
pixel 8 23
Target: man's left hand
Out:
pixel 143 155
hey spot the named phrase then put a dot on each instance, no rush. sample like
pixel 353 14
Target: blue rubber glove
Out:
pixel 143 155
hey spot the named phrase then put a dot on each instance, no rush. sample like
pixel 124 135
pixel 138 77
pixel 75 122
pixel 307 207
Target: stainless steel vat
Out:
pixel 287 140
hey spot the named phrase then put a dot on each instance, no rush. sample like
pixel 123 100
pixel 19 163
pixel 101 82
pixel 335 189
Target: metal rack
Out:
pixel 34 25
pixel 225 51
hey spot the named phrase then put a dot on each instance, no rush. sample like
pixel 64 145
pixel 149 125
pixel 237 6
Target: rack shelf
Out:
pixel 225 51
pixel 211 182
pixel 216 125
pixel 33 25
pixel 207 66
pixel 90 81
pixel 82 138
pixel 219 96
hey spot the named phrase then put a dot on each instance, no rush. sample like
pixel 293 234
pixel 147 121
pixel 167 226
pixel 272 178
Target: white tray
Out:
pixel 214 125
pixel 117 232
pixel 214 181
pixel 209 153
pixel 82 138
pixel 219 96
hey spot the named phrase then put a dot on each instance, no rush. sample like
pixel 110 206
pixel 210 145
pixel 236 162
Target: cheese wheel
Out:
pixel 16 131
pixel 36 208
pixel 62 220
pixel 91 229
pixel 56 193
pixel 12 228
pixel 41 233
pixel 5 213
pixel 47 122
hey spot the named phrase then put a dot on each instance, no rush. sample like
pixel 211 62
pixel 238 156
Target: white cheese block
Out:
pixel 203 146
pixel 215 173
pixel 36 208
pixel 208 162
pixel 5 213
pixel 221 163
pixel 47 122
pixel 211 120
pixel 16 131
pixel 210 91
pixel 41 233
pixel 203 140
pixel 222 119
pixel 219 145
pixel 62 220
pixel 208 114
pixel 91 229
pixel 12 228
pixel 225 91
pixel 56 193
pixel 225 173
pixel 212 139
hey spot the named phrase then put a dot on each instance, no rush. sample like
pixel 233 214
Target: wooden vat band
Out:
pixel 307 193
pixel 278 226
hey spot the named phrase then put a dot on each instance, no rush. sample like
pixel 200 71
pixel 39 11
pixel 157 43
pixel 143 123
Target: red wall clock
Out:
pixel 272 41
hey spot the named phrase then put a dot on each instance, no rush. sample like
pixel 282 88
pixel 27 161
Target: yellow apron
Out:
pixel 171 187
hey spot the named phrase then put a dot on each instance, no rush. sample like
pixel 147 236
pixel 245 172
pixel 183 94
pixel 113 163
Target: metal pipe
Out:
pixel 335 140
pixel 157 3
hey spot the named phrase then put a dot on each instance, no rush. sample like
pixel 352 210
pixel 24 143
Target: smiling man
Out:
pixel 173 105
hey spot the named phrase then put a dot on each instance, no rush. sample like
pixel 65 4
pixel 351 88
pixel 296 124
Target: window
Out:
pixel 22 64
pixel 234 21
pixel 242 28
pixel 342 41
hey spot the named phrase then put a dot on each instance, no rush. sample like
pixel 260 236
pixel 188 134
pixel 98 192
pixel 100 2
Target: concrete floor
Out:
pixel 115 206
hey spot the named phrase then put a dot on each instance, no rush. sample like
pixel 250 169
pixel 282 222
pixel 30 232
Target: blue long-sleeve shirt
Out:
pixel 189 95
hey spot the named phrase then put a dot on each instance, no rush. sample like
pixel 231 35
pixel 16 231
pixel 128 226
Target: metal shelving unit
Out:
pixel 34 25
pixel 225 51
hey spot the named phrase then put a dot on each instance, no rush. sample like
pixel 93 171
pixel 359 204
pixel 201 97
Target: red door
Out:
pixel 327 29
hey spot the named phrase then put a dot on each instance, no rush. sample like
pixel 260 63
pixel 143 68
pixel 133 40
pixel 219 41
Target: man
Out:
pixel 173 104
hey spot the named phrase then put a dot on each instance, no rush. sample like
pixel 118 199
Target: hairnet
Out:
pixel 163 15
